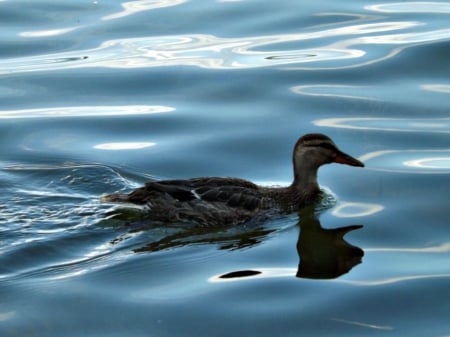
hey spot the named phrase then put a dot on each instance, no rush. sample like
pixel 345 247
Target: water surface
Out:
pixel 98 97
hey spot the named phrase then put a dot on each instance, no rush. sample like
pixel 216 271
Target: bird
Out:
pixel 224 202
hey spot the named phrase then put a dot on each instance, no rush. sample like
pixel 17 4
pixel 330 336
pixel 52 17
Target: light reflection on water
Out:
pixel 133 7
pixel 85 111
pixel 442 248
pixel 337 91
pixel 47 33
pixel 410 161
pixel 429 124
pixel 123 146
pixel 393 280
pixel 441 88
pixel 355 209
pixel 411 7
pixel 208 51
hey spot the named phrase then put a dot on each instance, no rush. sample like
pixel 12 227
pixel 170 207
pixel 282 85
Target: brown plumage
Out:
pixel 216 202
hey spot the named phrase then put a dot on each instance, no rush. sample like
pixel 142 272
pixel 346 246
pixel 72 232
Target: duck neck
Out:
pixel 305 178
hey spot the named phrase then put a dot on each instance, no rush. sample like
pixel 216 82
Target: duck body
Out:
pixel 212 201
pixel 224 202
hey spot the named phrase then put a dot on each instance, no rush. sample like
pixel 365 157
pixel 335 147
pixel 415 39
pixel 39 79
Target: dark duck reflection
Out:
pixel 323 253
pixel 150 237
pixel 225 240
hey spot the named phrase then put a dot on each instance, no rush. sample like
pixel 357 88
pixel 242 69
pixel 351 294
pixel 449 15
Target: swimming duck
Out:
pixel 219 202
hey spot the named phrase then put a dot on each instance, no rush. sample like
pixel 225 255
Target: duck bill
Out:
pixel 343 158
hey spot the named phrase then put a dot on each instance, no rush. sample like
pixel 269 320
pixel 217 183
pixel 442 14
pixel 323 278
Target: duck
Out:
pixel 224 202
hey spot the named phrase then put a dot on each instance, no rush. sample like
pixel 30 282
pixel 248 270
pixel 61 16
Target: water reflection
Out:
pixel 409 161
pixel 132 7
pixel 411 7
pixel 85 111
pixel 346 43
pixel 123 146
pixel 355 42
pixel 227 239
pixel 323 253
pixel 48 33
pixel 355 209
pixel 335 91
pixel 435 125
pixel 439 88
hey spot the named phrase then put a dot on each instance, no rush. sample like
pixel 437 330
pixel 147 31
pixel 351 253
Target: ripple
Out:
pixel 355 209
pixel 411 7
pixel 85 111
pixel 332 90
pixel 442 248
pixel 123 146
pixel 132 7
pixel 55 210
pixel 430 163
pixel 435 125
pixel 440 88
pixel 209 51
pixel 410 161
pixel 47 33
pixel 392 280
pixel 363 324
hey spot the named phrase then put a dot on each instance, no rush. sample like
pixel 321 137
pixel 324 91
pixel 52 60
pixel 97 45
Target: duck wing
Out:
pixel 232 192
pixel 205 202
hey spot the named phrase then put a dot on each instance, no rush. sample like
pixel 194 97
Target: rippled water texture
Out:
pixel 98 97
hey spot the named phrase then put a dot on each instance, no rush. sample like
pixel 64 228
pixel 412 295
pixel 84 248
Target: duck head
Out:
pixel 312 151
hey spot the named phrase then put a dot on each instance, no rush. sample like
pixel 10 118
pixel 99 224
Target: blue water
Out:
pixel 100 96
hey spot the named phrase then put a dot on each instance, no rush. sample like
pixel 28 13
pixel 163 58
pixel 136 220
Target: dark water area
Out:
pixel 99 97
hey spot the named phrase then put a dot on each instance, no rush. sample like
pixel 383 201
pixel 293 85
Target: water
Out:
pixel 98 97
